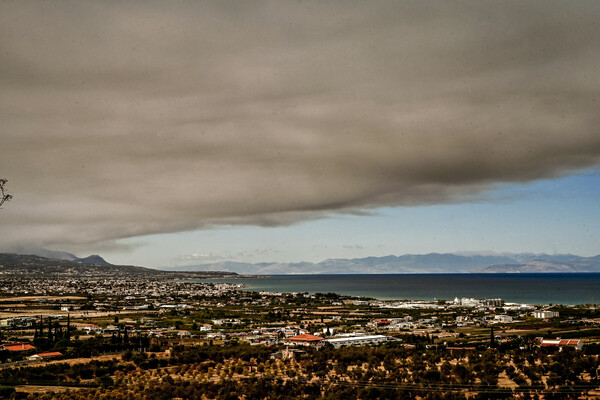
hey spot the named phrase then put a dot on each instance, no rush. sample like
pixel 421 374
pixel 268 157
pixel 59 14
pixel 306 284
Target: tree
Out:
pixel 4 196
pixel 7 391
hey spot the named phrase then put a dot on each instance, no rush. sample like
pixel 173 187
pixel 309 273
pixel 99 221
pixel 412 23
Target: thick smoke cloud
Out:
pixel 129 118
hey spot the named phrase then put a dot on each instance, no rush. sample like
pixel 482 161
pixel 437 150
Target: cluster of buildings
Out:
pixel 482 312
pixel 136 286
pixel 297 318
pixel 472 302
pixel 465 302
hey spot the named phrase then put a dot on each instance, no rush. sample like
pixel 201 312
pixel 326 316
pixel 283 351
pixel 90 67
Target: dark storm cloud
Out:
pixel 129 118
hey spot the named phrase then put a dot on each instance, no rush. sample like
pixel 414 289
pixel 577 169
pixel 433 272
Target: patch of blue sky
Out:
pixel 560 215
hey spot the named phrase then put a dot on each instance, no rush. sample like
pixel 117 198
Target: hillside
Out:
pixel 59 255
pixel 11 263
pixel 31 264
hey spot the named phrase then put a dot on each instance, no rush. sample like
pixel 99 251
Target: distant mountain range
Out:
pixel 62 255
pixel 541 264
pixel 415 264
pixel 404 264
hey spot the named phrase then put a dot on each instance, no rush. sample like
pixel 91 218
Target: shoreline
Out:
pixel 533 289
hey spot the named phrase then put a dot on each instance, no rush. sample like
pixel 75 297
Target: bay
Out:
pixel 563 288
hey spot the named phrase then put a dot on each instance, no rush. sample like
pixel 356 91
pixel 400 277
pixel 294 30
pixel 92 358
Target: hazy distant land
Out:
pixel 417 263
pixel 404 264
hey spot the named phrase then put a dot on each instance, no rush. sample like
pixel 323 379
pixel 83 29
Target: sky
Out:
pixel 171 133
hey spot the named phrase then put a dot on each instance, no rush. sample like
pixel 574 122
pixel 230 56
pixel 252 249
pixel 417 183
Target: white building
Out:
pixel 560 343
pixel 545 314
pixel 505 319
pixel 401 325
pixel 91 328
pixel 358 340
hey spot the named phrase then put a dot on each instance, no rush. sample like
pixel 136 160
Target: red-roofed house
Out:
pixel 575 343
pixel 381 321
pixel 460 348
pixel 306 340
pixel 18 347
pixel 91 328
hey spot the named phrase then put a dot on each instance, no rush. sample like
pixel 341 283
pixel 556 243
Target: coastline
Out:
pixel 524 288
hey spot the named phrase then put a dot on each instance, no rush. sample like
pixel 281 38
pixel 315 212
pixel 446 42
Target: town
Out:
pixel 84 336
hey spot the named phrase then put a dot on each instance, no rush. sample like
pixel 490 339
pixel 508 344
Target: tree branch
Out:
pixel 5 196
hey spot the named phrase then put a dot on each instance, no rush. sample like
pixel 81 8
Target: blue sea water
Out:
pixel 569 289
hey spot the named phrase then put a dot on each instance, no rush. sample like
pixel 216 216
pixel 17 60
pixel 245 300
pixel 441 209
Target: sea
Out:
pixel 563 288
